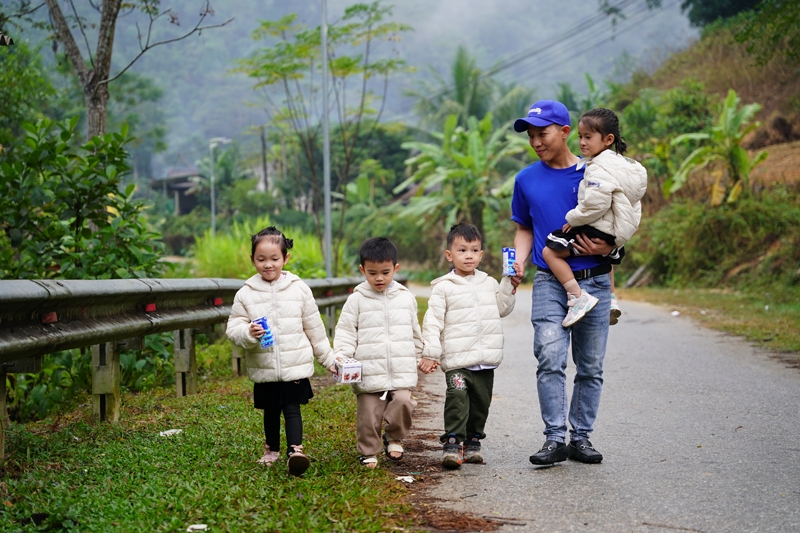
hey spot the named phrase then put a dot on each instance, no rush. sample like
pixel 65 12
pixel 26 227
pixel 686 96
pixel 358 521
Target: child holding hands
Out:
pixel 462 332
pixel 280 372
pixel 379 327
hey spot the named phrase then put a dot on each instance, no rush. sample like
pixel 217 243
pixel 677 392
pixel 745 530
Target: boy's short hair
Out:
pixel 468 232
pixel 378 250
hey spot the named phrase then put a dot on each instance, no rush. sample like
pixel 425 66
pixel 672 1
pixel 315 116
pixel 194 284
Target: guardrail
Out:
pixel 38 317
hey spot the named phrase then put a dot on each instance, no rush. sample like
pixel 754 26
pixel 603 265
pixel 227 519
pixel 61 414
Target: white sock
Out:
pixel 572 288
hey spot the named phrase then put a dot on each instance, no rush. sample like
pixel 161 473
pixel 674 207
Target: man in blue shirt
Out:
pixel 543 193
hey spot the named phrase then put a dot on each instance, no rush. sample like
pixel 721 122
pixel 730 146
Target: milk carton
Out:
pixel 348 371
pixel 509 258
pixel 267 340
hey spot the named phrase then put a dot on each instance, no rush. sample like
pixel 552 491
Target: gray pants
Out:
pixel 396 409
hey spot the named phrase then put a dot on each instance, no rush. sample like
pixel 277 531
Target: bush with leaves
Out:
pixel 753 242
pixel 722 144
pixel 227 254
pixel 64 214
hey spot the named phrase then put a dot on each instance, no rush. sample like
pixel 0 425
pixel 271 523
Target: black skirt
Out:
pixel 273 394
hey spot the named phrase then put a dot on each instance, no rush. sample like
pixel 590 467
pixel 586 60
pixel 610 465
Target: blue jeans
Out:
pixel 550 346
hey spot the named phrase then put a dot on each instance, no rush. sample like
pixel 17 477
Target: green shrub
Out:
pixel 753 242
pixel 227 255
pixel 64 210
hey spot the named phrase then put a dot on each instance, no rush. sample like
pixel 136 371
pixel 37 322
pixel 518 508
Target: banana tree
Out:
pixel 457 177
pixel 723 144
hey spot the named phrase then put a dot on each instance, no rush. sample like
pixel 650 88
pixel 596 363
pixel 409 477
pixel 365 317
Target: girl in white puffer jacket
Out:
pixel 280 372
pixel 609 206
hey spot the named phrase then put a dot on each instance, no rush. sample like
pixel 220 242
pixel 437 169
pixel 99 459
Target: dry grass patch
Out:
pixel 770 319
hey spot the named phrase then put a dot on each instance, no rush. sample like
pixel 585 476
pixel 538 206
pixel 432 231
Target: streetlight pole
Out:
pixel 213 143
pixel 326 145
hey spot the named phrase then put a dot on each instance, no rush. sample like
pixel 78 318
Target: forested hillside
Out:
pixel 541 44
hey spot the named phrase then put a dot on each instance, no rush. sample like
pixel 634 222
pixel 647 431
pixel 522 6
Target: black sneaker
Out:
pixel 583 451
pixel 452 453
pixel 552 452
pixel 472 450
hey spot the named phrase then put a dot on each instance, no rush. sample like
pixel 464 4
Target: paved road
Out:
pixel 700 432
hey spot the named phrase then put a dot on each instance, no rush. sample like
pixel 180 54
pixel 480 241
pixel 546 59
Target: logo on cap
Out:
pixel 537 110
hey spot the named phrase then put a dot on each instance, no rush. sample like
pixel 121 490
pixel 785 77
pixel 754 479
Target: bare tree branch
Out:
pixel 64 35
pixel 80 26
pixel 105 38
pixel 197 28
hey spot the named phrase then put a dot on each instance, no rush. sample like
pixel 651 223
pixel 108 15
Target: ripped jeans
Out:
pixel 551 345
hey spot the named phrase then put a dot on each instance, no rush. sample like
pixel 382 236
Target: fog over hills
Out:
pixel 564 40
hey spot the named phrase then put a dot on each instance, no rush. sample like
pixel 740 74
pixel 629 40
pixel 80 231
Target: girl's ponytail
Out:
pixel 274 234
pixel 605 122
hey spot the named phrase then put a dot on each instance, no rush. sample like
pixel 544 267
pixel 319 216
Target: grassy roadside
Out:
pixel 69 473
pixel 771 319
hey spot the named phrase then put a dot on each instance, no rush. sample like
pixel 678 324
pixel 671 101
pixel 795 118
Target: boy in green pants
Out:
pixel 463 334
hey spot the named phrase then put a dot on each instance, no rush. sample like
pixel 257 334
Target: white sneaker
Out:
pixel 578 307
pixel 616 312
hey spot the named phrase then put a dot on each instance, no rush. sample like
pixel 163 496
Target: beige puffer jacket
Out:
pixel 609 196
pixel 462 326
pixel 295 322
pixel 381 329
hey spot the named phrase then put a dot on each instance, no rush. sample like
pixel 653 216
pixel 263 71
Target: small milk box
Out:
pixel 348 371
pixel 266 340
pixel 509 258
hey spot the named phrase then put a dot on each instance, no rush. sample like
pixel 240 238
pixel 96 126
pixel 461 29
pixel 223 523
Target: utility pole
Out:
pixel 326 145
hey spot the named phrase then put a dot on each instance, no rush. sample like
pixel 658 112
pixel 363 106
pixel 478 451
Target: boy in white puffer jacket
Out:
pixel 462 332
pixel 379 327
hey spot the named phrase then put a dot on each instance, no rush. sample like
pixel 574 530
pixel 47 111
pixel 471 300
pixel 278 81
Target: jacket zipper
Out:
pixel 388 339
pixel 478 313
pixel 274 331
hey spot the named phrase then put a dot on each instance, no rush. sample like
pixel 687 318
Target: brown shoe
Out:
pixel 298 461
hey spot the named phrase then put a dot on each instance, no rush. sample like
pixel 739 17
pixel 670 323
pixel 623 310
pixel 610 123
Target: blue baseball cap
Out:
pixel 542 114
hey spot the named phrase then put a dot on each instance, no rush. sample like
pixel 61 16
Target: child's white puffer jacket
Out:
pixel 462 326
pixel 381 329
pixel 609 196
pixel 295 322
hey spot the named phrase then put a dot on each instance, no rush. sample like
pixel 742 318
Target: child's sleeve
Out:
pixel 314 329
pixel 505 297
pixel 238 329
pixel 598 188
pixel 345 337
pixel 433 324
pixel 419 343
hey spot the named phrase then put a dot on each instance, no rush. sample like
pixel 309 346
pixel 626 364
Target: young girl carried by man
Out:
pixel 609 206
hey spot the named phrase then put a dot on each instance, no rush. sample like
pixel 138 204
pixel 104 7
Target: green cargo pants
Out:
pixel 466 404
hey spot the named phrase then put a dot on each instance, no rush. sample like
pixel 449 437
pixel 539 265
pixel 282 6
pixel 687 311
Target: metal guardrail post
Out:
pixel 4 422
pixel 237 357
pixel 185 362
pixel 106 392
pixel 330 320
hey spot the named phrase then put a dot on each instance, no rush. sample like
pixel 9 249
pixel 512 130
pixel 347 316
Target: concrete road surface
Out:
pixel 700 432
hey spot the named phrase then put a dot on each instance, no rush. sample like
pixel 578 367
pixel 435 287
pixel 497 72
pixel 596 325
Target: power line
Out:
pixel 585 36
pixel 587 39
pixel 582 25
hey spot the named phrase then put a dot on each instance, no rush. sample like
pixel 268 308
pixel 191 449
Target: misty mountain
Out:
pixel 546 43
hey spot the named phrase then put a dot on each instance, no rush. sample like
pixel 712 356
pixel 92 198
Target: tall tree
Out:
pixel 699 12
pixel 287 70
pixel 469 92
pixel 93 66
pixel 457 177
